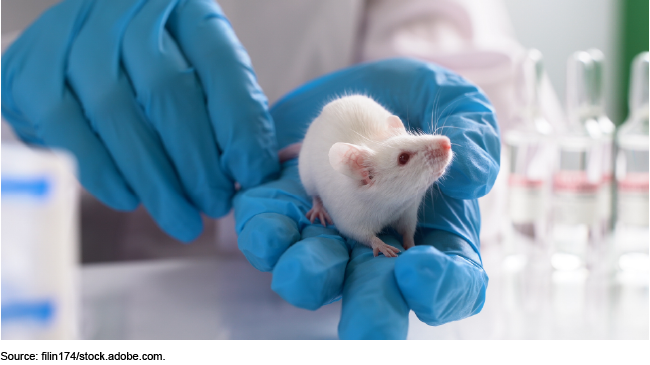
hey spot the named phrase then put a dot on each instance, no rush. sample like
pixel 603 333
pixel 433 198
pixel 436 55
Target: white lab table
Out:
pixel 226 298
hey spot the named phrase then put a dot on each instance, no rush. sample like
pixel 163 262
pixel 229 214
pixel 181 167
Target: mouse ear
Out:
pixel 395 123
pixel 351 160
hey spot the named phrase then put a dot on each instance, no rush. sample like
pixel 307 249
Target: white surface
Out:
pixel 193 299
pixel 226 298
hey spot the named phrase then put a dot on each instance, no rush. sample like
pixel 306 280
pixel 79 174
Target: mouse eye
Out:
pixel 403 158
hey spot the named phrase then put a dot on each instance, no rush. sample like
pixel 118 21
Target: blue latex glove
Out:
pixel 441 279
pixel 157 100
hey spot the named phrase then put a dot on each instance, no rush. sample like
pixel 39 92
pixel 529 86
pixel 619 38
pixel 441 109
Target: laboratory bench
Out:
pixel 224 297
pixel 138 283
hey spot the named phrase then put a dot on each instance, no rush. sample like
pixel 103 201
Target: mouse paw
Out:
pixel 318 211
pixel 379 246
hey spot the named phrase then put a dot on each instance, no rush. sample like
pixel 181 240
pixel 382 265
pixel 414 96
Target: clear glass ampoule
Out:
pixel 607 128
pixel 631 238
pixel 577 179
pixel 527 146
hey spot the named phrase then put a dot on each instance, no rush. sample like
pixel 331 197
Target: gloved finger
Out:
pixel 270 217
pixel 265 237
pixel 96 75
pixel 34 93
pixel 458 109
pixel 172 98
pixel 373 307
pixel 446 214
pixel 238 108
pixel 22 127
pixel 311 272
pixel 440 287
pixel 476 146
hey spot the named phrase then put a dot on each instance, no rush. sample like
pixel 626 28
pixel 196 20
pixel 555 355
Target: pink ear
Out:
pixel 351 160
pixel 395 123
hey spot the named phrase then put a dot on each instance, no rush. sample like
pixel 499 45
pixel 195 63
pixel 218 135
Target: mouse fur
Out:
pixel 365 171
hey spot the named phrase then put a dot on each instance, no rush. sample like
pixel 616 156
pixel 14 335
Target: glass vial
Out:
pixel 576 231
pixel 607 128
pixel 631 238
pixel 527 148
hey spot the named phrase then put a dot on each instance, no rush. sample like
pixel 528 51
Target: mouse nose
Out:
pixel 445 144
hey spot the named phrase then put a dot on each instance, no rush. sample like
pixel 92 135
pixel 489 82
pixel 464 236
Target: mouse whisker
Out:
pixel 418 132
pixel 436 101
pixel 449 126
pixel 407 115
pixel 451 112
pixel 455 104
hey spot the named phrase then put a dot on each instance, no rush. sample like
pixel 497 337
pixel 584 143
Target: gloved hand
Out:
pixel 157 100
pixel 441 279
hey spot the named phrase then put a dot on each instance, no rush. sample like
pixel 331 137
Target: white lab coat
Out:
pixel 291 42
pixel 472 37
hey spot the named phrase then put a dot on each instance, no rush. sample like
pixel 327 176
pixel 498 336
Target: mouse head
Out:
pixel 403 164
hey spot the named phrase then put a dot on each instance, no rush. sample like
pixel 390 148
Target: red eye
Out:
pixel 403 158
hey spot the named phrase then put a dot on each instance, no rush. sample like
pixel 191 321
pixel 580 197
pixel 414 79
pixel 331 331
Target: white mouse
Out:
pixel 365 172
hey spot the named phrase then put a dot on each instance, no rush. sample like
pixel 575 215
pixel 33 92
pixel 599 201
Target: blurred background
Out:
pixel 132 281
